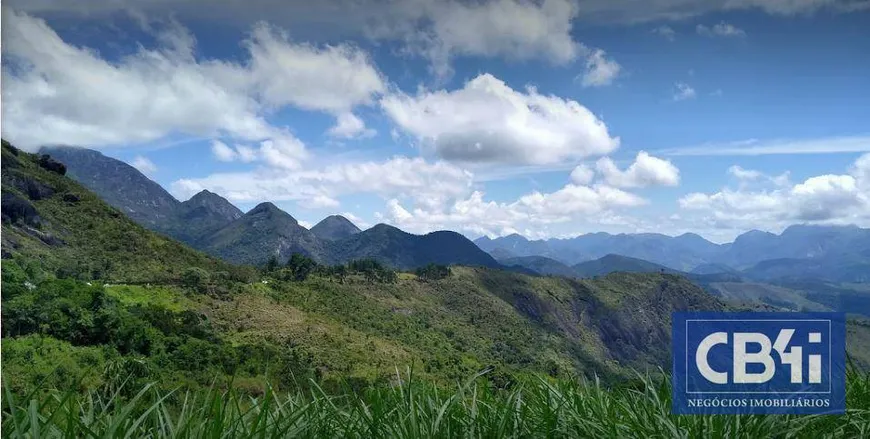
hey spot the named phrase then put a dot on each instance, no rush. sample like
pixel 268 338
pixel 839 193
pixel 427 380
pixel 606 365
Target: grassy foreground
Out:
pixel 536 408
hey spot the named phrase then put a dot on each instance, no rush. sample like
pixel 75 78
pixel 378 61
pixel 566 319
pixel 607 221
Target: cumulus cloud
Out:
pixel 683 91
pixel 600 71
pixel 349 126
pixel 831 198
pixel 721 29
pixel 144 165
pixel 645 171
pixel 582 174
pixel 533 211
pixel 332 78
pixel 57 93
pixel 400 176
pixel 488 122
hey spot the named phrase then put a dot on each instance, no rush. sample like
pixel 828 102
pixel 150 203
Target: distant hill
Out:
pixel 119 184
pixel 53 224
pixel 617 263
pixel 334 228
pixel 262 233
pixel 400 249
pixel 540 265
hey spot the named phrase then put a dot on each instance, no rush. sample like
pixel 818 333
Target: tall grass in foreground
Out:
pixel 536 408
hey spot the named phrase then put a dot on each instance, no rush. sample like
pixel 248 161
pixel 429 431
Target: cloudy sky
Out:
pixel 549 118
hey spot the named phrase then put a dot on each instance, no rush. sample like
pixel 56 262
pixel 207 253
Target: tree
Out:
pixel 300 267
pixel 271 265
pixel 195 278
pixel 433 272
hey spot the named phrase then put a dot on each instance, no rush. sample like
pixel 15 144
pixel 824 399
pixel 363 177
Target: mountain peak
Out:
pixel 213 205
pixel 334 227
pixel 267 208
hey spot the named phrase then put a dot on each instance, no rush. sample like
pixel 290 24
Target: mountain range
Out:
pixel 210 223
pixel 831 253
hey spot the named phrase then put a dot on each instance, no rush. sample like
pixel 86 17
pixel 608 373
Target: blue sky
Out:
pixel 548 118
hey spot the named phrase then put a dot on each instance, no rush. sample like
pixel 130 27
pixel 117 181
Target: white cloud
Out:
pixel 754 147
pixel 282 152
pixel 645 171
pixel 744 174
pixel 721 29
pixel 56 93
pixel 222 151
pixel 600 71
pixel 331 79
pixel 431 183
pixel 144 165
pixel 488 122
pixel 512 29
pixel 824 199
pixel 665 32
pixel 349 126
pixel 684 91
pixel 320 202
pixel 534 211
pixel 582 174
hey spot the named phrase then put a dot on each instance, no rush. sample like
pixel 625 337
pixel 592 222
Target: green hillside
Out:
pixel 52 226
pixel 96 304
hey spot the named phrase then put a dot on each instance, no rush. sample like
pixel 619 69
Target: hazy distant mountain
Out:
pixel 515 244
pixel 501 254
pixel 835 253
pixel 828 268
pixel 540 265
pixel 403 250
pixel 118 184
pixel 618 263
pixel 683 252
pixel 334 227
pixel 798 242
pixel 263 232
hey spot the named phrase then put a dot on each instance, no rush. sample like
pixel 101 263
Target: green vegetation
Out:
pixel 433 272
pixel 53 227
pixel 533 408
pixel 153 338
